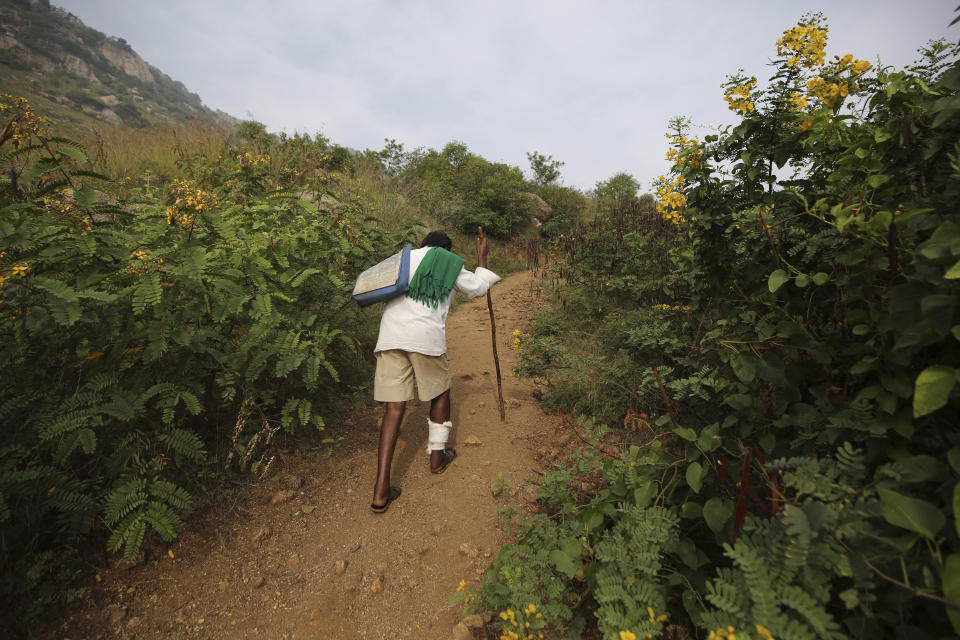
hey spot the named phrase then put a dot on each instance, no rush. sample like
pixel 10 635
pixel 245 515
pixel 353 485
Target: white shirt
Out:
pixel 413 326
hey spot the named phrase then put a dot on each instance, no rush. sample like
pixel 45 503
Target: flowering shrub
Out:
pixel 145 342
pixel 790 335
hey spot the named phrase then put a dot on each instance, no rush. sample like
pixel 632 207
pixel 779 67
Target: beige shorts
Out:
pixel 397 369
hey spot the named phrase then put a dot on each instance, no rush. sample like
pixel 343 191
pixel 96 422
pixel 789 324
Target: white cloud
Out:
pixel 591 83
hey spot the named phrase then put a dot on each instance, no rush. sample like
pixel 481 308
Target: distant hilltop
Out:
pixel 81 77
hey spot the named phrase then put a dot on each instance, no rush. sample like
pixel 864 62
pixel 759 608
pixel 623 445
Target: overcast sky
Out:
pixel 592 83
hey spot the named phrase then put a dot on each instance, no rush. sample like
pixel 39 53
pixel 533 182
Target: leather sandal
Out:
pixel 448 456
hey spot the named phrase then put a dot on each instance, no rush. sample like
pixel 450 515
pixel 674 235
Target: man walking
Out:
pixel 412 350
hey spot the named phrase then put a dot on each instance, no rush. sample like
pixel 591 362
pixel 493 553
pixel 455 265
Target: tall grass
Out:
pixel 164 150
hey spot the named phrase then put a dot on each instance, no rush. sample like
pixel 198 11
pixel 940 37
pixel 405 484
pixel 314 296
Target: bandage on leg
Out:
pixel 439 434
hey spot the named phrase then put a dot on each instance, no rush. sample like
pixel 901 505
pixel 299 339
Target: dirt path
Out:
pixel 303 556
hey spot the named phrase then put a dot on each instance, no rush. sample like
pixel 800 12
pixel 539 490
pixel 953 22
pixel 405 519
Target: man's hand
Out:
pixel 482 251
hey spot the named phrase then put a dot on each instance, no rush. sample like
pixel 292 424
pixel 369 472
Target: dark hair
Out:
pixel 437 239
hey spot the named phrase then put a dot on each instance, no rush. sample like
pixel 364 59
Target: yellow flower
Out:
pixel 764 632
pixel 531 609
pixel 650 611
pixel 628 635
pixel 798 102
pixel 138 255
pixel 462 585
pixel 860 66
pixel 20 269
pixel 804 44
pixel 738 95
pixel 803 126
pixel 3 281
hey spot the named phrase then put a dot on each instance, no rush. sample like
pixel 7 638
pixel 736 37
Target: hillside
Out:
pixel 81 77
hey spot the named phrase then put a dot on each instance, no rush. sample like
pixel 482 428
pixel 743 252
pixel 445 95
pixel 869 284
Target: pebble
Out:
pixel 258 582
pixel 472 440
pixel 223 585
pixel 282 496
pixel 438 528
pixel 473 622
pixel 293 562
pixel 482 405
pixel 461 632
pixel 308 509
pixel 469 549
pixel 263 534
pixel 339 567
pixel 377 586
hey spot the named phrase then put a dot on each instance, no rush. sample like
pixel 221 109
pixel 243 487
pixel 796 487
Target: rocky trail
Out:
pixel 300 555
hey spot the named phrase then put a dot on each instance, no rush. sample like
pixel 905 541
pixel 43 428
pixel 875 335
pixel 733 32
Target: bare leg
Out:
pixel 389 430
pixel 439 412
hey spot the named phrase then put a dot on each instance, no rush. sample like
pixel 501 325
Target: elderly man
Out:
pixel 412 348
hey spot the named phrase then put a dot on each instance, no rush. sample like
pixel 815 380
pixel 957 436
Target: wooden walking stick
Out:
pixel 496 358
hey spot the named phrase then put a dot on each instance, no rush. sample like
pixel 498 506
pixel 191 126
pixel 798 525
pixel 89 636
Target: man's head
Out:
pixel 437 239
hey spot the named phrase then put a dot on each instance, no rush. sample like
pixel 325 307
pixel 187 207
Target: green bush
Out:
pixel 146 342
pixel 780 343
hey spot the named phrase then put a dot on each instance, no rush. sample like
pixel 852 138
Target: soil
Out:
pixel 301 555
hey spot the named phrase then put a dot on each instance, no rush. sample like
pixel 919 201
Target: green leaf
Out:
pixel 932 389
pixel 953 272
pixel 744 366
pixel 820 278
pixel 953 457
pixel 716 514
pixel 877 180
pixel 695 475
pixel 78 156
pixel 777 279
pixel 645 493
pixel 951 588
pixel 943 244
pixel 880 135
pixel 686 433
pixel 590 518
pixel 567 558
pixel 911 514
pixel 802 280
pixel 956 507
pixel 88 440
pixel 861 329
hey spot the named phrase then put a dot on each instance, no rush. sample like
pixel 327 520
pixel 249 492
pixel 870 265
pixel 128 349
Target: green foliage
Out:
pixel 545 169
pixel 466 191
pixel 618 191
pixel 149 340
pixel 780 344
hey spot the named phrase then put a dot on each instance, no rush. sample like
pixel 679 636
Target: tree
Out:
pixel 619 189
pixel 545 169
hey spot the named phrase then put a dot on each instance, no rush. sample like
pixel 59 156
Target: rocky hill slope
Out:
pixel 83 78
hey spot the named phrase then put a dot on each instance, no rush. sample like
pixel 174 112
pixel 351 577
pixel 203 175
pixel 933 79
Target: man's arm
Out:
pixel 476 284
